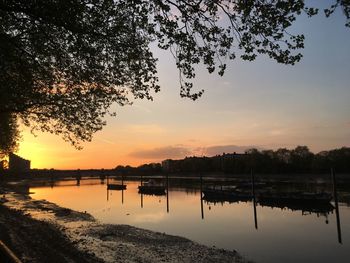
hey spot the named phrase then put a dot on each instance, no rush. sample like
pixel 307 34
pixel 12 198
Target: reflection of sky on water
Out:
pixel 282 235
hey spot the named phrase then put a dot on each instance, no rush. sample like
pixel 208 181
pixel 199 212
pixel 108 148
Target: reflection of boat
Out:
pixel 229 195
pixel 319 208
pixel 306 202
pixel 116 187
pixel 150 188
pixel 295 197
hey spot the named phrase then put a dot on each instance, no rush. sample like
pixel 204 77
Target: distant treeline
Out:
pixel 298 160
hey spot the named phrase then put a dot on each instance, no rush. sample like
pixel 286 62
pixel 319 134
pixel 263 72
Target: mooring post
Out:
pixel 78 177
pixel 141 200
pixel 141 191
pixel 254 199
pixel 201 185
pixel 167 192
pixel 122 196
pixel 122 189
pixel 335 197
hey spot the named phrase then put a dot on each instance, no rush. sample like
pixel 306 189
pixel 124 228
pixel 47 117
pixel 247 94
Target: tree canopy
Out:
pixel 64 63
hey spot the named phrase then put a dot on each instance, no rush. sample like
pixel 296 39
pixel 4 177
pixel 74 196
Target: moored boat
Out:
pixel 152 189
pixel 116 186
pixel 229 195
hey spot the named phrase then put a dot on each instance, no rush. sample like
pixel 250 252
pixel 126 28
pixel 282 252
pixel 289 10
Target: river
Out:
pixel 270 235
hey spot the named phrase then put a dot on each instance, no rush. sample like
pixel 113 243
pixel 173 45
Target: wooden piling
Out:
pixel 141 192
pixel 167 192
pixel 122 189
pixel 254 199
pixel 335 197
pixel 201 185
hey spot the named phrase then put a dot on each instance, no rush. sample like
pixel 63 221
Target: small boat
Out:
pixel 116 187
pixel 229 195
pixel 150 188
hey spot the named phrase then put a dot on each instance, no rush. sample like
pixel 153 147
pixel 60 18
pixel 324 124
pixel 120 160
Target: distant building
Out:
pixel 18 164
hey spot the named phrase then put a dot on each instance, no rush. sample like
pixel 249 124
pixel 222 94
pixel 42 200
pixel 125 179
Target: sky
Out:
pixel 258 104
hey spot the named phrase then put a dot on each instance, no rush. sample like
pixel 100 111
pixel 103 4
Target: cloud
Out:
pixel 219 149
pixel 276 132
pixel 146 129
pixel 179 152
pixel 167 152
pixel 105 141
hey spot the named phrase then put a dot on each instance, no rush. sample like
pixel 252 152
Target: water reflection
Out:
pixel 335 196
pixel 113 186
pixel 319 205
pixel 227 224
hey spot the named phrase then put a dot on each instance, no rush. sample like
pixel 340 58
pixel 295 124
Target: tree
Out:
pixel 9 134
pixel 301 159
pixel 64 63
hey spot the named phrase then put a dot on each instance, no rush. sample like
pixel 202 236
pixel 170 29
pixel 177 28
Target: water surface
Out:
pixel 281 235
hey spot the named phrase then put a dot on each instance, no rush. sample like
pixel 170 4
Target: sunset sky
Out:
pixel 256 104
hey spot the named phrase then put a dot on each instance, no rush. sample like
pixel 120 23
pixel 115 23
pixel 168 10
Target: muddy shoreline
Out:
pixel 40 231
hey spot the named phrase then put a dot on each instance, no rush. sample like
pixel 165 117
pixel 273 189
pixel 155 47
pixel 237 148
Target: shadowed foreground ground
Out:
pixel 37 241
pixel 40 231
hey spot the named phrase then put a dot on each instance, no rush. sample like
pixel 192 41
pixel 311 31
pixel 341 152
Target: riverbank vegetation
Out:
pixel 298 160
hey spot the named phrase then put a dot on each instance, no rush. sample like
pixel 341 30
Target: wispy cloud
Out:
pixel 105 141
pixel 276 132
pixel 162 153
pixel 146 128
pixel 181 151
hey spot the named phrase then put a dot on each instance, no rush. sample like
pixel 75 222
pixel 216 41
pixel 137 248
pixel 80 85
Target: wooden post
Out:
pixel 141 193
pixel 254 199
pixel 335 197
pixel 167 192
pixel 141 200
pixel 122 189
pixel 122 196
pixel 201 184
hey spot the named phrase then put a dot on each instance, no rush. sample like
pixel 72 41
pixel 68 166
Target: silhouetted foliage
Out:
pixel 64 63
pixel 144 170
pixel 298 160
pixel 9 134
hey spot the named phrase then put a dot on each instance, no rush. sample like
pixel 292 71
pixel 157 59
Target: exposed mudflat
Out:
pixel 40 231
